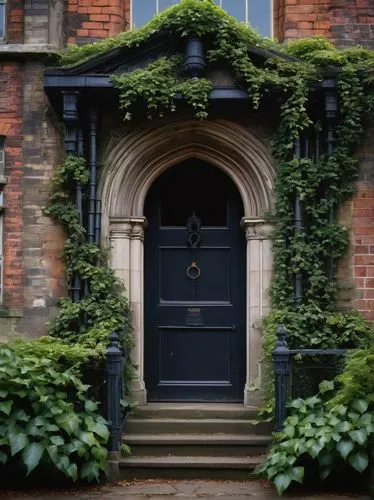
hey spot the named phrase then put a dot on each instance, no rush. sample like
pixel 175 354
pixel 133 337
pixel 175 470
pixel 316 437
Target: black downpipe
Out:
pixel 298 226
pixel 331 109
pixel 98 222
pixel 72 146
pixel 92 187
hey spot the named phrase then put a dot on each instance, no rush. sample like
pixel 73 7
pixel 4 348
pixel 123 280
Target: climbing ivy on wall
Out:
pixel 104 308
pixel 322 183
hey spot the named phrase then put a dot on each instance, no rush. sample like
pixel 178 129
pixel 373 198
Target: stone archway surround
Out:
pixel 131 167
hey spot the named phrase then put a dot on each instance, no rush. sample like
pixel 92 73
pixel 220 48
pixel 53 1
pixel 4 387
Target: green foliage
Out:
pixel 357 379
pixel 46 414
pixel 157 85
pixel 89 321
pixel 312 327
pixel 187 18
pixel 326 433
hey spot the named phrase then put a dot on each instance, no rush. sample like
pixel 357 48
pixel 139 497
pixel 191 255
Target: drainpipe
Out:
pixel 194 60
pixel 92 187
pixel 331 111
pixel 73 144
pixel 298 227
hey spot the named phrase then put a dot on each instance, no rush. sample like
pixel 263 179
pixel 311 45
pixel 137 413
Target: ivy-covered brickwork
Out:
pixel 321 182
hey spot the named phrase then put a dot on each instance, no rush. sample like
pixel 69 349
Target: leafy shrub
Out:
pixel 311 327
pixel 329 435
pixel 46 414
pixel 357 379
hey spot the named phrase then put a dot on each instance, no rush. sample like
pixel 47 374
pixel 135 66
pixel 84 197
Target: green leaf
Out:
pixel 90 470
pixel 297 474
pixel 31 456
pixel 72 471
pixel 88 438
pixel 325 472
pixel 99 453
pixel 57 440
pixel 6 406
pixel 63 463
pixel 3 457
pixel 101 430
pixel 90 406
pixel 17 441
pixel 315 449
pixel 53 453
pixel 326 386
pixel 359 460
pixel 361 405
pixel 344 447
pixel 359 436
pixel 3 394
pixel 282 482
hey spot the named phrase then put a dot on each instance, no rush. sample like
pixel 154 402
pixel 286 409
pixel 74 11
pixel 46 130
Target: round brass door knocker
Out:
pixel 193 272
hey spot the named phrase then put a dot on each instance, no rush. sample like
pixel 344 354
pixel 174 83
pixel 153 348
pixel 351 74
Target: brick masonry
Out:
pixel 89 20
pixel 346 23
pixel 16 16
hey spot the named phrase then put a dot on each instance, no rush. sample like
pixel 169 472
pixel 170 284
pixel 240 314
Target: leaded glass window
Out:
pixel 2 20
pixel 256 13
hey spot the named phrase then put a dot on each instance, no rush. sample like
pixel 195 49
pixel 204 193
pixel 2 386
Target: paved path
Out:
pixel 175 490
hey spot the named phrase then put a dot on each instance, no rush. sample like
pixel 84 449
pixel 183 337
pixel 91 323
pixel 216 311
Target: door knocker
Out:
pixel 193 272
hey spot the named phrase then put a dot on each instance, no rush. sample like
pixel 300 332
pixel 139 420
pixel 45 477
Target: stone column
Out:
pixel 259 272
pixel 126 239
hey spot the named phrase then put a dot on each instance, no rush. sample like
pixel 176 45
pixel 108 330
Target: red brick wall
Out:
pixel 301 18
pixel 347 22
pixel 15 25
pixel 363 247
pixel 11 128
pixel 90 20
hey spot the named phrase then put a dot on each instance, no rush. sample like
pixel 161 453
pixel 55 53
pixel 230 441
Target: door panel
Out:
pixel 194 286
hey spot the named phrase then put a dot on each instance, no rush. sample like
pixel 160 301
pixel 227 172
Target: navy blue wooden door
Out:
pixel 194 286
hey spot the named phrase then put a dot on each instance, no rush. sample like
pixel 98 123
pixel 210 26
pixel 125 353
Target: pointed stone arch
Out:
pixel 131 167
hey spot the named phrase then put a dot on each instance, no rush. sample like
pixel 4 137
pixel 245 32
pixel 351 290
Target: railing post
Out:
pixel 114 375
pixel 281 359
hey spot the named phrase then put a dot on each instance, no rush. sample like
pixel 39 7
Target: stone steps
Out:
pixel 190 426
pixel 185 467
pixel 186 441
pixel 196 444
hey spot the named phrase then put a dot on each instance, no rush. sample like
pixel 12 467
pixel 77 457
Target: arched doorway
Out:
pixel 194 286
pixel 134 160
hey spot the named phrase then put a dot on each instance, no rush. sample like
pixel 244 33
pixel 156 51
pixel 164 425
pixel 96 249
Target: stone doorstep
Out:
pixel 195 411
pixel 198 439
pixel 190 426
pixel 206 462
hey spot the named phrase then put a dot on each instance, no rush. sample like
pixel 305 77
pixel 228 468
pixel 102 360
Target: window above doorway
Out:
pixel 2 20
pixel 256 13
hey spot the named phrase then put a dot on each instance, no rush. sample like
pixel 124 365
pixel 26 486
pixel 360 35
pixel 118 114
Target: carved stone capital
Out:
pixel 127 228
pixel 257 229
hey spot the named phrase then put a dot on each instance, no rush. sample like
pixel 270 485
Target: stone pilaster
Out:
pixel 259 271
pixel 126 240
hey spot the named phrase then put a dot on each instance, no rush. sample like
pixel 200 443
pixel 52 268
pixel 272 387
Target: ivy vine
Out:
pixel 104 308
pixel 323 183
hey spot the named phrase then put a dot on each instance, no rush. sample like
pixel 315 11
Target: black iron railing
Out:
pixel 283 359
pixel 115 388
